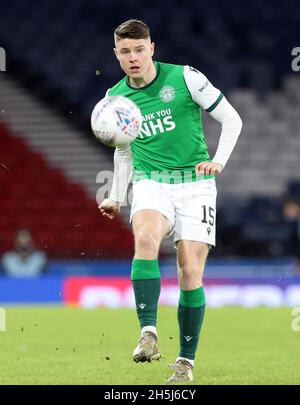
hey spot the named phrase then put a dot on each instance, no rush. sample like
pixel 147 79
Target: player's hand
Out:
pixel 208 168
pixel 109 208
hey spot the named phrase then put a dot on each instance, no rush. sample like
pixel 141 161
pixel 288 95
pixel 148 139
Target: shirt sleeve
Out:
pixel 232 124
pixel 122 173
pixel 202 91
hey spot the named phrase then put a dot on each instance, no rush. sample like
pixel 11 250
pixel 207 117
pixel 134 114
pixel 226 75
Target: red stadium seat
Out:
pixel 63 219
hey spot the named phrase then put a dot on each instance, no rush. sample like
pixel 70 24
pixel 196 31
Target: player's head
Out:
pixel 133 47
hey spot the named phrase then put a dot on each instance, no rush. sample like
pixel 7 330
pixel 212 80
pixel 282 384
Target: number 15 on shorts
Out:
pixel 208 215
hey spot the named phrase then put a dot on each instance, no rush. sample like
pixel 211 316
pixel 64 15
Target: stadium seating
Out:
pixel 63 218
pixel 245 50
pixel 246 55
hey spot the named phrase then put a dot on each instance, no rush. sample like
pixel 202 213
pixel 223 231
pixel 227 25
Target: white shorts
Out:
pixel 190 207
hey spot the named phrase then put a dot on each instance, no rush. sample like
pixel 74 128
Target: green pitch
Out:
pixel 76 346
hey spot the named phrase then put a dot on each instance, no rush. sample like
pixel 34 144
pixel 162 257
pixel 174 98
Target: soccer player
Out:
pixel 174 187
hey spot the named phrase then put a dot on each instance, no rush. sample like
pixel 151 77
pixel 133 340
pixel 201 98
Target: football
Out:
pixel 116 121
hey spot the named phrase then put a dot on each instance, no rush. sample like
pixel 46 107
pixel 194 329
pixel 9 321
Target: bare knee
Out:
pixel 191 269
pixel 191 273
pixel 147 244
pixel 191 256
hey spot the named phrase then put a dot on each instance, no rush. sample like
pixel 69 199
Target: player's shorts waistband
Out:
pixel 170 177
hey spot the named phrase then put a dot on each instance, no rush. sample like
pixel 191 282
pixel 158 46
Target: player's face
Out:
pixel 135 56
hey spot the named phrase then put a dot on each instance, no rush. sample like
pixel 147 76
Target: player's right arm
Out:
pixel 110 207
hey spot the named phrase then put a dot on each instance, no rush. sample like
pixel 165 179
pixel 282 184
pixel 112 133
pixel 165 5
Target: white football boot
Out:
pixel 183 372
pixel 147 348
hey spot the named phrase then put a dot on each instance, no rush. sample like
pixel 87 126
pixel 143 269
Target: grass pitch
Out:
pixel 76 346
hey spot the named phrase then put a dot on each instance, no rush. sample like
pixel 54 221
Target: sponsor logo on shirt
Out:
pixel 204 86
pixel 157 123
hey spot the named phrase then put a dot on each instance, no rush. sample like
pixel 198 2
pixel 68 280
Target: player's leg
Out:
pixel 191 259
pixel 194 233
pixel 149 229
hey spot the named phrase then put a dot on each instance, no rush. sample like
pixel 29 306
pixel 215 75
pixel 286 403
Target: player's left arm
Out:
pixel 214 102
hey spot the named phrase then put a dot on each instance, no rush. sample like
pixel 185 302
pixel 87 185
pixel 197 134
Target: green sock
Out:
pixel 145 276
pixel 190 316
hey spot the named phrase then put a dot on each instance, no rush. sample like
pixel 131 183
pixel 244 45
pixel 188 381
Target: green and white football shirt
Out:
pixel 171 141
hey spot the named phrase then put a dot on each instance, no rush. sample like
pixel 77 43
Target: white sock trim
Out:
pixel 149 329
pixel 188 360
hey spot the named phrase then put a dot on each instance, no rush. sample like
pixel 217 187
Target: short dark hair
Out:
pixel 134 29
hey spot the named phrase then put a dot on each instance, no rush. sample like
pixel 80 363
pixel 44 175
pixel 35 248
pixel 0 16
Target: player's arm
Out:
pixel 214 102
pixel 110 207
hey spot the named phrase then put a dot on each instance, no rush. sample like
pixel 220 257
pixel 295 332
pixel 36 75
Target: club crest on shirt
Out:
pixel 167 94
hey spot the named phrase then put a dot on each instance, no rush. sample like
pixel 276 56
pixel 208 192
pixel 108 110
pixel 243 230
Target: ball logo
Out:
pixel 167 94
pixel 123 117
pixel 128 124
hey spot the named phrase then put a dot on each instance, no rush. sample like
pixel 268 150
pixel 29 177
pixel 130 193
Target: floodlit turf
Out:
pixel 77 346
